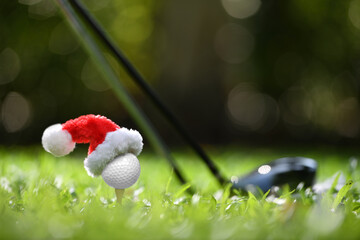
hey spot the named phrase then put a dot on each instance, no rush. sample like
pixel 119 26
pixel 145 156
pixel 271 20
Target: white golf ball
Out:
pixel 122 172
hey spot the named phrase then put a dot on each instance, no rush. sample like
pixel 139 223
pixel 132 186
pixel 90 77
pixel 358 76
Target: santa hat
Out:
pixel 107 140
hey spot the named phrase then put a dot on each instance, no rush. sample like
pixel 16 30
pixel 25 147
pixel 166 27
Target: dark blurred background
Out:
pixel 232 70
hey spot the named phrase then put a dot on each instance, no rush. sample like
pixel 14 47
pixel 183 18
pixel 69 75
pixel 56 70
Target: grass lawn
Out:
pixel 43 197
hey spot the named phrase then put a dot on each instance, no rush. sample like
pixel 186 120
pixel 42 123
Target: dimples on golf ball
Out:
pixel 122 172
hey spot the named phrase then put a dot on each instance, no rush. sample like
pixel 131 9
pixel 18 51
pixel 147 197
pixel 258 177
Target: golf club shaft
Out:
pixel 139 80
pixel 89 43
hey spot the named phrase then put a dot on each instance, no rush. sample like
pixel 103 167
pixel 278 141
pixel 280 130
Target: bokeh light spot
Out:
pixel 234 179
pixel 42 10
pixel 354 13
pixel 348 118
pixel 62 41
pixel 241 8
pixel 29 2
pixel 15 112
pixel 324 106
pixel 252 110
pixel 233 43
pixel 9 65
pixel 264 169
pixel 96 5
pixel 133 24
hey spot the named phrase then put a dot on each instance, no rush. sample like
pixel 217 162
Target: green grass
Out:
pixel 43 197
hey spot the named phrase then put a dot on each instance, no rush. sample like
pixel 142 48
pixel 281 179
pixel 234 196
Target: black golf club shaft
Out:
pixel 84 32
pixel 140 81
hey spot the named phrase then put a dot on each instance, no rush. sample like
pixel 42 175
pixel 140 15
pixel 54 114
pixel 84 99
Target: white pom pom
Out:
pixel 57 141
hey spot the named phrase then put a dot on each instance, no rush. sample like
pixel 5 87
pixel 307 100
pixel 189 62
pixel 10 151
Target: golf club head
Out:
pixel 288 170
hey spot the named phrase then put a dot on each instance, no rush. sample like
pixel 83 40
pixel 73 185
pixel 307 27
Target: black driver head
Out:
pixel 288 170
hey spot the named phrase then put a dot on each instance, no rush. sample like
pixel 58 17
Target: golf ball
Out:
pixel 122 172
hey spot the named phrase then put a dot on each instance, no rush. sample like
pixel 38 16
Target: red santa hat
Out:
pixel 107 140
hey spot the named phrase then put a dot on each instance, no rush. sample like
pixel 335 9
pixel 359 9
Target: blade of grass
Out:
pixel 224 198
pixel 182 190
pixel 264 196
pixel 341 194
pixel 334 184
pixel 96 54
pixel 169 182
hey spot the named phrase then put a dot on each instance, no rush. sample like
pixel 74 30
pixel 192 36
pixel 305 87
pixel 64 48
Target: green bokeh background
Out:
pixel 232 71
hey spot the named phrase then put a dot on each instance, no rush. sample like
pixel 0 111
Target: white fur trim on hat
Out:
pixel 57 141
pixel 115 144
